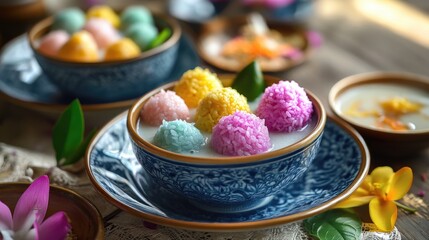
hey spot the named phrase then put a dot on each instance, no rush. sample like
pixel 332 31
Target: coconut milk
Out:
pixel 278 140
pixel 369 96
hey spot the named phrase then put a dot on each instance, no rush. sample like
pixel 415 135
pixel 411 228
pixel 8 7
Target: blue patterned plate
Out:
pixel 339 168
pixel 22 81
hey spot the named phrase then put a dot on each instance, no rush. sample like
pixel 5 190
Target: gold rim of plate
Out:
pixel 57 107
pixel 237 226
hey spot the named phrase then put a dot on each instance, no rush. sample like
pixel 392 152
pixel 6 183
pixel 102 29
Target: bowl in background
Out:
pixel 85 219
pixel 222 183
pixel 217 32
pixel 100 82
pixel 376 87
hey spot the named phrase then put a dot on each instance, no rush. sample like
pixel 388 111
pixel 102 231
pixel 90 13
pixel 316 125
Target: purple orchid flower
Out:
pixel 27 222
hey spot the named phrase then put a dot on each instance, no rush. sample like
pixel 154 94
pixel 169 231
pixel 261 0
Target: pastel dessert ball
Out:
pixel 121 50
pixel 165 105
pixel 104 12
pixel 217 104
pixel 142 34
pixel 51 43
pixel 195 84
pixel 135 14
pixel 102 31
pixel 179 136
pixel 240 134
pixel 70 20
pixel 285 107
pixel 81 47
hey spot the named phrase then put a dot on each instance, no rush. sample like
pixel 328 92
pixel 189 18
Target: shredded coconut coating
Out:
pixel 240 134
pixel 195 84
pixel 165 105
pixel 179 136
pixel 285 107
pixel 217 104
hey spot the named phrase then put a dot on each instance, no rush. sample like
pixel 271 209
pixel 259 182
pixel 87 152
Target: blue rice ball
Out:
pixel 70 20
pixel 142 34
pixel 135 14
pixel 179 136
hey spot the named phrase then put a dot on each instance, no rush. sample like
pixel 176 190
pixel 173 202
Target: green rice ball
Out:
pixel 70 20
pixel 179 136
pixel 142 34
pixel 135 14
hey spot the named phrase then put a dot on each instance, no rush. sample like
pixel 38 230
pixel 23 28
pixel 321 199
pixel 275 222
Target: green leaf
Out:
pixel 68 131
pixel 337 224
pixel 249 81
pixel 78 154
pixel 161 38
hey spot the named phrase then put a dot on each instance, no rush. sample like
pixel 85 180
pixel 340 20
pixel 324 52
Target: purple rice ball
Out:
pixel 240 134
pixel 285 107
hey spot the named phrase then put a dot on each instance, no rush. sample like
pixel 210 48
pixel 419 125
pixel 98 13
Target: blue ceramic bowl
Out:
pixel 114 80
pixel 229 184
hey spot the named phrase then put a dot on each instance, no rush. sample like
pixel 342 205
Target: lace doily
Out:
pixel 19 165
pixel 124 227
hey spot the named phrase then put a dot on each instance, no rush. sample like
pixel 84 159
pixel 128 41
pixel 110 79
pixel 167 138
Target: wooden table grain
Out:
pixel 353 43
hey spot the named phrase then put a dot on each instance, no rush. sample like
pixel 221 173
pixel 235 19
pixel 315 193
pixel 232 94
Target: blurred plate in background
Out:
pixel 220 32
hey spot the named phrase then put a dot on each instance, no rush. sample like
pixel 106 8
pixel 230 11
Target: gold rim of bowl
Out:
pixel 238 226
pixel 406 79
pixel 42 27
pixel 134 114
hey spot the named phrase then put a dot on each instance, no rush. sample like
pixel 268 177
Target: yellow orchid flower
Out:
pixel 381 189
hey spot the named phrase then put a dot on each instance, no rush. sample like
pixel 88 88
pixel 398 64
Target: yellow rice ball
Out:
pixel 195 84
pixel 104 12
pixel 217 104
pixel 122 49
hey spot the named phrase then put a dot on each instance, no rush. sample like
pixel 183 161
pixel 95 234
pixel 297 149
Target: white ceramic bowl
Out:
pixel 381 86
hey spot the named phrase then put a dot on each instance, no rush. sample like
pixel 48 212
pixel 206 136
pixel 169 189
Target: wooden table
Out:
pixel 353 42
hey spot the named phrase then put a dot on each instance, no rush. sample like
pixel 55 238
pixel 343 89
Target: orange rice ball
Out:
pixel 195 84
pixel 81 47
pixel 122 49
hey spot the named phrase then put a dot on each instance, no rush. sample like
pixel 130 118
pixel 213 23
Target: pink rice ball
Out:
pixel 240 134
pixel 165 105
pixel 102 31
pixel 51 43
pixel 285 107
